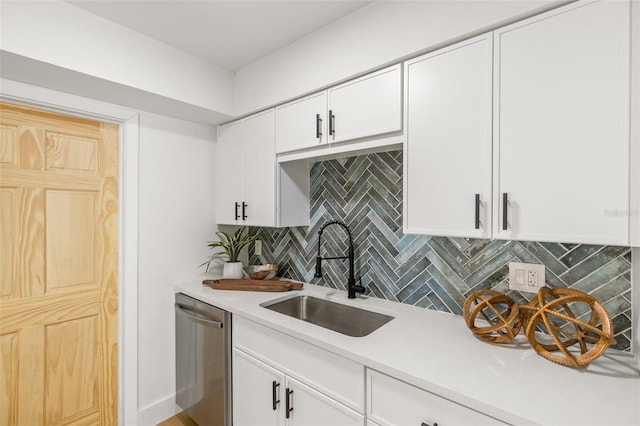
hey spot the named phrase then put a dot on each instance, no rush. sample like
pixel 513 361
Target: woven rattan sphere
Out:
pixel 569 318
pixel 501 316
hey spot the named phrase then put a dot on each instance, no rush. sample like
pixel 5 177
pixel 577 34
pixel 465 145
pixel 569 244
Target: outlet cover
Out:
pixel 527 277
pixel 257 248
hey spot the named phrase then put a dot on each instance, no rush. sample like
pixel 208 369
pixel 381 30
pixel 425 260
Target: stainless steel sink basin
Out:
pixel 344 319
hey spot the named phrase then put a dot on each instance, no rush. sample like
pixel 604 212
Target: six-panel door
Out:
pixel 58 269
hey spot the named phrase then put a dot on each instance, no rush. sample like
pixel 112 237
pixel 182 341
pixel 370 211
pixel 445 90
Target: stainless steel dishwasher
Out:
pixel 203 361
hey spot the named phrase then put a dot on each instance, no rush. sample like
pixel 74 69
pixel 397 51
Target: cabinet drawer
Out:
pixel 331 374
pixel 392 402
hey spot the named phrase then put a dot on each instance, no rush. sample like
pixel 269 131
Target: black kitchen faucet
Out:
pixel 352 288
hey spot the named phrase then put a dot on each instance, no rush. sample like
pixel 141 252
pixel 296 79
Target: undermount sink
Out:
pixel 344 319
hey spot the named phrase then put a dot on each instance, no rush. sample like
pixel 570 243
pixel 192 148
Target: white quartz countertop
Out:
pixel 436 352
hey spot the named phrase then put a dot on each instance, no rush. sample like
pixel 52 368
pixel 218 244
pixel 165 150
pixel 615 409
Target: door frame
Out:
pixel 128 143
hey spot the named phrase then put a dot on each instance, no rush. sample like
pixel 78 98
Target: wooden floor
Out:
pixel 180 419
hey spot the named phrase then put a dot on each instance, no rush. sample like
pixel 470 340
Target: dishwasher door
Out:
pixel 203 361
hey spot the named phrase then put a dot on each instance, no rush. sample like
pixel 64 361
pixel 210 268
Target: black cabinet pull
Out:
pixel 244 210
pixel 477 211
pixel 426 424
pixel 237 215
pixel 505 201
pixel 274 392
pixel 332 130
pixel 318 126
pixel 288 403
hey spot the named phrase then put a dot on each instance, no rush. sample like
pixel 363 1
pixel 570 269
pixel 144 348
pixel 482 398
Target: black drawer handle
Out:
pixel 288 403
pixel 244 210
pixel 237 214
pixel 505 201
pixel 274 394
pixel 477 211
pixel 332 118
pixel 318 126
pixel 426 424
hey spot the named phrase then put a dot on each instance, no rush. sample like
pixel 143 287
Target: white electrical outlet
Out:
pixel 257 248
pixel 528 277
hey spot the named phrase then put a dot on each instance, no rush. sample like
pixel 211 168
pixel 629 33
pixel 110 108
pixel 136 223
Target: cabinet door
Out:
pixel 562 125
pixel 254 392
pixel 260 169
pixel 447 151
pixel 395 403
pixel 308 407
pixel 230 172
pixel 367 106
pixel 301 123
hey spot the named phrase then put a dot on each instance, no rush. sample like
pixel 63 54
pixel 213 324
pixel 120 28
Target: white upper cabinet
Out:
pixel 230 172
pixel 561 126
pixel 259 170
pixel 365 111
pixel 370 105
pixel 253 189
pixel 302 123
pixel 560 140
pixel 447 150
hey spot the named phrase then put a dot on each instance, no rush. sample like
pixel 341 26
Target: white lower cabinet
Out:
pixel 280 380
pixel 311 408
pixel 394 403
pixel 257 392
pixel 264 396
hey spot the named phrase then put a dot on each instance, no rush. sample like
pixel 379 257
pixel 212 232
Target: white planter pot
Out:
pixel 232 270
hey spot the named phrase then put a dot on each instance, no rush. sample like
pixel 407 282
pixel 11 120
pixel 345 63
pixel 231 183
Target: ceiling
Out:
pixel 231 34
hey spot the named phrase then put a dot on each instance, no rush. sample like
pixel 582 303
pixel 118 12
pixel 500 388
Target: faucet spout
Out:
pixel 352 288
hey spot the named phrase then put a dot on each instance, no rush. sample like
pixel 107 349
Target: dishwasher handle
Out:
pixel 194 318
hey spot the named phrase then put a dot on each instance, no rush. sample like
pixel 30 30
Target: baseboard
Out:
pixel 157 412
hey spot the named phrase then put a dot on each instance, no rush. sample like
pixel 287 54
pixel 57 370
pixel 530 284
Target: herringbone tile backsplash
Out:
pixel 433 272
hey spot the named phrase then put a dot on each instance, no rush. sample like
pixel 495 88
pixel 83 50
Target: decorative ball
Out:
pixel 569 322
pixel 500 315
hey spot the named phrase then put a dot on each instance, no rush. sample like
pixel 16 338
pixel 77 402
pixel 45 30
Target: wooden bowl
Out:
pixel 261 272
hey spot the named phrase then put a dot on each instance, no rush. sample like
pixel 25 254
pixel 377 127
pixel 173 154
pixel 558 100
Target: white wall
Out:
pixel 177 217
pixel 59 34
pixel 377 34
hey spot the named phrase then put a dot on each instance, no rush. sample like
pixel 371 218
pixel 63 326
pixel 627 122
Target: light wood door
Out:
pixel 561 135
pixel 58 269
pixel 368 106
pixel 448 123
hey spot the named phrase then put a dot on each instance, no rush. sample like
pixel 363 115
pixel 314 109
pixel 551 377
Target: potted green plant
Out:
pixel 231 246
